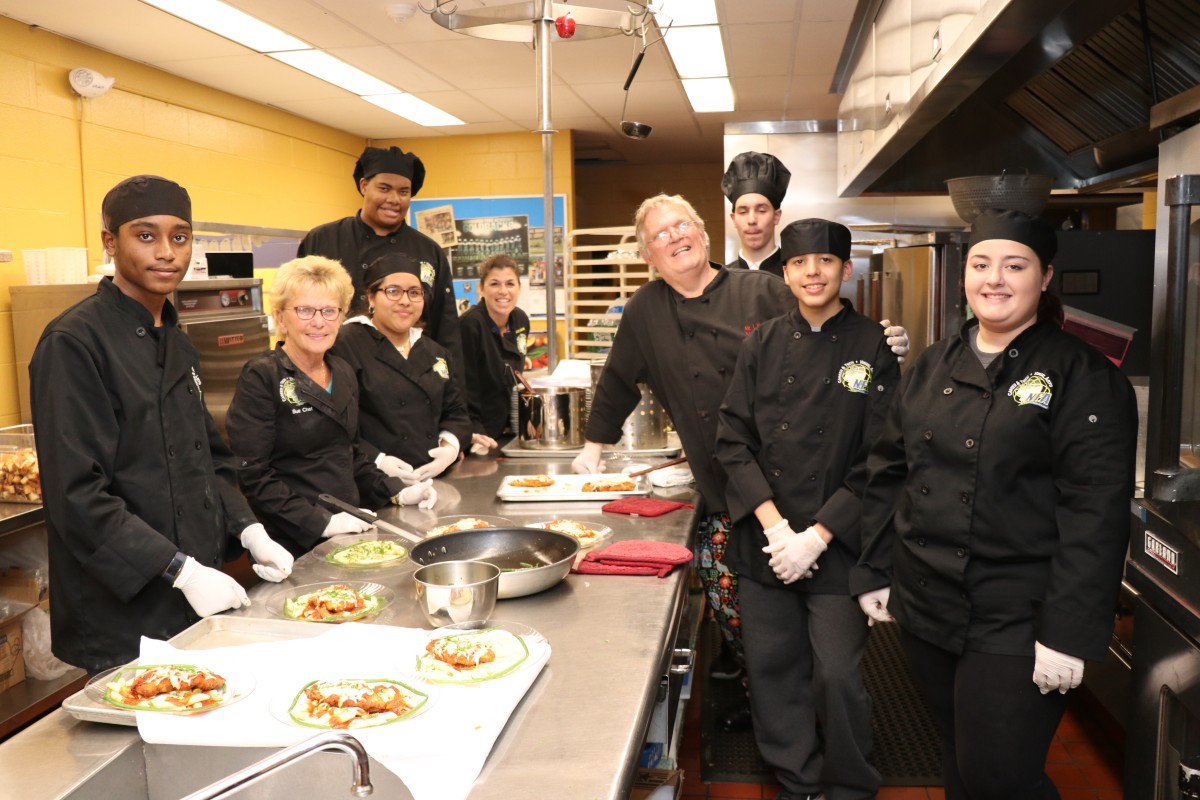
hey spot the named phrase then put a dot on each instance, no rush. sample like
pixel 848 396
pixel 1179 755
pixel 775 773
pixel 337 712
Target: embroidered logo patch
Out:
pixel 427 273
pixel 441 369
pixel 287 392
pixel 1035 389
pixel 522 343
pixel 855 376
pixel 196 378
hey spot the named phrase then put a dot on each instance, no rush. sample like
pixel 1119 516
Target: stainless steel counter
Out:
pixel 580 728
pixel 18 516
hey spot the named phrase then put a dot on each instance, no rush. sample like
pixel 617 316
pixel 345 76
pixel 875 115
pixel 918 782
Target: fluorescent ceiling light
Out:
pixel 415 109
pixel 709 94
pixel 321 65
pixel 686 12
pixel 697 52
pixel 227 21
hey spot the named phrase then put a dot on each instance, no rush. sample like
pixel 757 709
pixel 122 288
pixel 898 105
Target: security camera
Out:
pixel 89 83
pixel 400 13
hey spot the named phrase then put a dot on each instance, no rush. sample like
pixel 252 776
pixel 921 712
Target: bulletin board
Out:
pixel 484 226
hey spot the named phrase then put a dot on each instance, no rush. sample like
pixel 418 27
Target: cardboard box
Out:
pixel 648 781
pixel 18 593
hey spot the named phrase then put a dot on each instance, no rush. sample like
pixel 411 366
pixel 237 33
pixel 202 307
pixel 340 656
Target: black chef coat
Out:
pixel 355 244
pixel 1010 492
pixel 133 470
pixel 294 441
pixel 403 403
pixel 798 419
pixel 491 360
pixel 684 349
pixel 772 263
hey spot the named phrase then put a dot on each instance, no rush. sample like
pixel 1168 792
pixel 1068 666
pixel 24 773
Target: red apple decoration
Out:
pixel 565 25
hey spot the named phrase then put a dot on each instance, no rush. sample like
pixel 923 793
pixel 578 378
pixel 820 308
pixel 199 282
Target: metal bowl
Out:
pixel 1016 192
pixel 457 591
pixel 533 560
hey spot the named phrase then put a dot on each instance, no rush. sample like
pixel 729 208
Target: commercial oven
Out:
pixel 224 319
pixel 1164 563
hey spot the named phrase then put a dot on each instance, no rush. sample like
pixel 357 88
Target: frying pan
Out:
pixel 551 552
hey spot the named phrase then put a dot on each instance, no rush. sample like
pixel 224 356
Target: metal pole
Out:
pixel 541 37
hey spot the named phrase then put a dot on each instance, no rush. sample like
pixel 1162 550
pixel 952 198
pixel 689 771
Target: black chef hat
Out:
pixel 814 236
pixel 1033 232
pixel 756 173
pixel 144 196
pixel 375 160
pixel 392 263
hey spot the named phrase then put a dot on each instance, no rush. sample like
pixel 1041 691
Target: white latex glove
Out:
pixel 781 532
pixel 792 557
pixel 274 561
pixel 481 443
pixel 209 591
pixel 341 522
pixel 588 461
pixel 421 495
pixel 897 339
pixel 1054 670
pixel 443 457
pixel 395 468
pixel 874 605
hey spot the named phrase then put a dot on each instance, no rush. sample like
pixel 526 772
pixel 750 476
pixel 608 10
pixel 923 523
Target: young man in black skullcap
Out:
pixel 388 180
pixel 755 184
pixel 807 398
pixel 138 487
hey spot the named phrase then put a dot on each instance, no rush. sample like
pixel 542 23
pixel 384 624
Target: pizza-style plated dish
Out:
pixel 531 481
pixel 355 703
pixel 468 524
pixel 582 532
pixel 471 656
pixel 616 483
pixel 368 553
pixel 166 687
pixel 336 603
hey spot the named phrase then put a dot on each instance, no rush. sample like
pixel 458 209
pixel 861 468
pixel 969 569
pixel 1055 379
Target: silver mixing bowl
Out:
pixel 457 591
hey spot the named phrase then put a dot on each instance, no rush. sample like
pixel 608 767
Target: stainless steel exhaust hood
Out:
pixel 1058 87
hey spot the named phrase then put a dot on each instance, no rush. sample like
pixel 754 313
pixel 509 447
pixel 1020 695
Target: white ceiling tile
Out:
pixel 760 49
pixel 736 12
pixel 309 21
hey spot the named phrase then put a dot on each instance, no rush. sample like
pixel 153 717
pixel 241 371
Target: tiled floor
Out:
pixel 1085 762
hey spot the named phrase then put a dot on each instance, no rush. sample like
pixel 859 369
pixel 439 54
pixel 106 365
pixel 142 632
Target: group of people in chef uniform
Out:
pixel 977 499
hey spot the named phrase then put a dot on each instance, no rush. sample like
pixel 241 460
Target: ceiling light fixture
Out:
pixel 414 108
pixel 709 94
pixel 697 52
pixel 684 13
pixel 321 65
pixel 225 20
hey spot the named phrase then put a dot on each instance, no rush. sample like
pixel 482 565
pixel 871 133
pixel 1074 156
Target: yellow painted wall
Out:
pixel 608 195
pixel 242 162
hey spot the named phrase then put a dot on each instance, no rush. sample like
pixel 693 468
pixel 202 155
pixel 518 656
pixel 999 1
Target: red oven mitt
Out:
pixel 643 506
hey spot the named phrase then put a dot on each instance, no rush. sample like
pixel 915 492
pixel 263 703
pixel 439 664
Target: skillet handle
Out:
pixel 354 511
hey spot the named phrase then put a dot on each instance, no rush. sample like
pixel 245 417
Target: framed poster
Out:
pixel 486 226
pixel 438 224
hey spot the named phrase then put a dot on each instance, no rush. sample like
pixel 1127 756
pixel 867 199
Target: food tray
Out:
pixel 20 478
pixel 209 632
pixel 514 450
pixel 566 488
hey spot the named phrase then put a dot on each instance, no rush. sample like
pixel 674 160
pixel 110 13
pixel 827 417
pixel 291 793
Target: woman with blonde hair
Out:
pixel 293 421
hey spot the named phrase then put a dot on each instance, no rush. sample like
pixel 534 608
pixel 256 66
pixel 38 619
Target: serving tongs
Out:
pixel 657 467
pixel 371 517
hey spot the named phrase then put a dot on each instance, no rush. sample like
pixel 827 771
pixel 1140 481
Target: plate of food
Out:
pixel 334 601
pixel 167 688
pixel 605 486
pixel 465 522
pixel 362 551
pixel 352 703
pixel 475 652
pixel 588 533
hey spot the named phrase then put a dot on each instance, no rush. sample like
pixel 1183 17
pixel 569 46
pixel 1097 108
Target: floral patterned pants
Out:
pixel 720 583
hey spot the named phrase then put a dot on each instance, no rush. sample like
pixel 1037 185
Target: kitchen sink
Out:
pixel 168 772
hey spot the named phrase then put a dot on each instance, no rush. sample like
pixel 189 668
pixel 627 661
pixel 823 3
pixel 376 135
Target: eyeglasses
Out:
pixel 415 294
pixel 681 228
pixel 330 313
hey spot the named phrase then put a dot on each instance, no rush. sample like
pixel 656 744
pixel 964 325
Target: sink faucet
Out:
pixel 329 740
